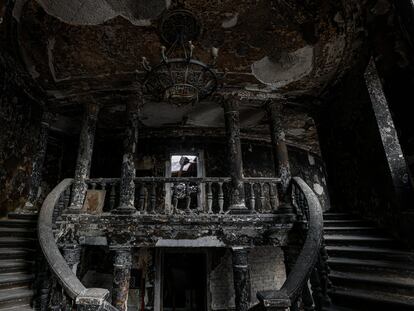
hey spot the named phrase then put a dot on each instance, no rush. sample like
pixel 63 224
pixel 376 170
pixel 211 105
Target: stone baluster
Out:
pixel 83 163
pixel 280 152
pixel 241 277
pixel 274 200
pixel 262 197
pixel 127 186
pixel 209 198
pixel 252 198
pixel 38 163
pixel 175 199
pixel 121 277
pixel 221 198
pixel 112 197
pixel 141 203
pixel 153 198
pixel 232 122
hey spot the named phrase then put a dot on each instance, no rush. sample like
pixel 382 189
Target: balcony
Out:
pixel 192 211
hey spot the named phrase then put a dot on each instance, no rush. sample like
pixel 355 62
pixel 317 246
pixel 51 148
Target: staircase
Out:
pixel 369 269
pixel 17 253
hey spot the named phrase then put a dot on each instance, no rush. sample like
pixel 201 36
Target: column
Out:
pixel 279 147
pixel 232 122
pixel 83 163
pixel 241 277
pixel 39 159
pixel 127 187
pixel 121 277
pixel 396 162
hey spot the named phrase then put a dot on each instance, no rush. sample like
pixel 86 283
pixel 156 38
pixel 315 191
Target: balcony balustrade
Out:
pixel 176 196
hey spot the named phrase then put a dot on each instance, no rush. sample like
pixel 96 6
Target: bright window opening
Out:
pixel 184 165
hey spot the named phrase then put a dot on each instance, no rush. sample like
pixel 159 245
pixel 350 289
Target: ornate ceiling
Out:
pixel 90 50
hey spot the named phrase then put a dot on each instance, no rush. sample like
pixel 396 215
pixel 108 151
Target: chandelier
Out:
pixel 179 78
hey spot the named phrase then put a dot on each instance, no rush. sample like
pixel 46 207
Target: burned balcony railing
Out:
pixel 172 196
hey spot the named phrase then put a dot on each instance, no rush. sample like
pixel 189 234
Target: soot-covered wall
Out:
pixel 20 117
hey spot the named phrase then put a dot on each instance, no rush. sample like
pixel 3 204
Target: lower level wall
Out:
pixel 267 271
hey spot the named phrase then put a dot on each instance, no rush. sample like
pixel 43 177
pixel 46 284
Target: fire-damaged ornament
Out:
pixel 180 78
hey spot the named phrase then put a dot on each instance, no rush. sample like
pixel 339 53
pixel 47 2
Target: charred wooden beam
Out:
pixel 83 163
pixel 279 146
pixel 241 277
pixel 232 122
pixel 127 195
pixel 399 170
pixel 121 277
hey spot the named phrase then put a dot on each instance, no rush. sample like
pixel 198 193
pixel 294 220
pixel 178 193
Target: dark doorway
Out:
pixel 184 282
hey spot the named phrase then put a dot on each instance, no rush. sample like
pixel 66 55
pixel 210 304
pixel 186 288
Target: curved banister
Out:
pixel 66 277
pixel 307 258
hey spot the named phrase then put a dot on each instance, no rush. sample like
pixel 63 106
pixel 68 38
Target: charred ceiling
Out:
pixel 90 51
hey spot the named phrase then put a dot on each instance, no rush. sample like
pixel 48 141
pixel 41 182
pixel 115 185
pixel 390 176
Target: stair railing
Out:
pixel 84 298
pixel 310 262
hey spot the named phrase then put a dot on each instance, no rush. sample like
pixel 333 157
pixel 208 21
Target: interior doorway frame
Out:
pixel 159 264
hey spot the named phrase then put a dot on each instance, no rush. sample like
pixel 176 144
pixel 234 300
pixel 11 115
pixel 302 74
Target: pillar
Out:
pixel 127 187
pixel 121 277
pixel 39 159
pixel 232 122
pixel 396 162
pixel 83 163
pixel 279 147
pixel 241 277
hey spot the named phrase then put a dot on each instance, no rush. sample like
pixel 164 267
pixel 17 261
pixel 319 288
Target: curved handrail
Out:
pixel 70 283
pixel 307 258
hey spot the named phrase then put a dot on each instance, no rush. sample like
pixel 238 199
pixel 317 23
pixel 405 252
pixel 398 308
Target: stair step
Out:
pixel 333 307
pixel 16 253
pixel 17 223
pixel 18 265
pixel 359 240
pixel 25 307
pixel 357 265
pixel 18 232
pixel 8 280
pixel 370 281
pixel 334 216
pixel 15 296
pixel 18 242
pixel 345 223
pixel 32 217
pixel 361 252
pixel 371 300
pixel 353 230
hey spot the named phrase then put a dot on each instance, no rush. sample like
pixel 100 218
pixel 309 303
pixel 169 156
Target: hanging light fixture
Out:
pixel 179 78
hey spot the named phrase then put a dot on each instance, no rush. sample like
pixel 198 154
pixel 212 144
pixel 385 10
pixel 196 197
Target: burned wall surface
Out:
pixel 19 128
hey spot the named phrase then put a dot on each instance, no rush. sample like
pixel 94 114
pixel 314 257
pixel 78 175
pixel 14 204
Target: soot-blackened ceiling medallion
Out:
pixel 179 78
